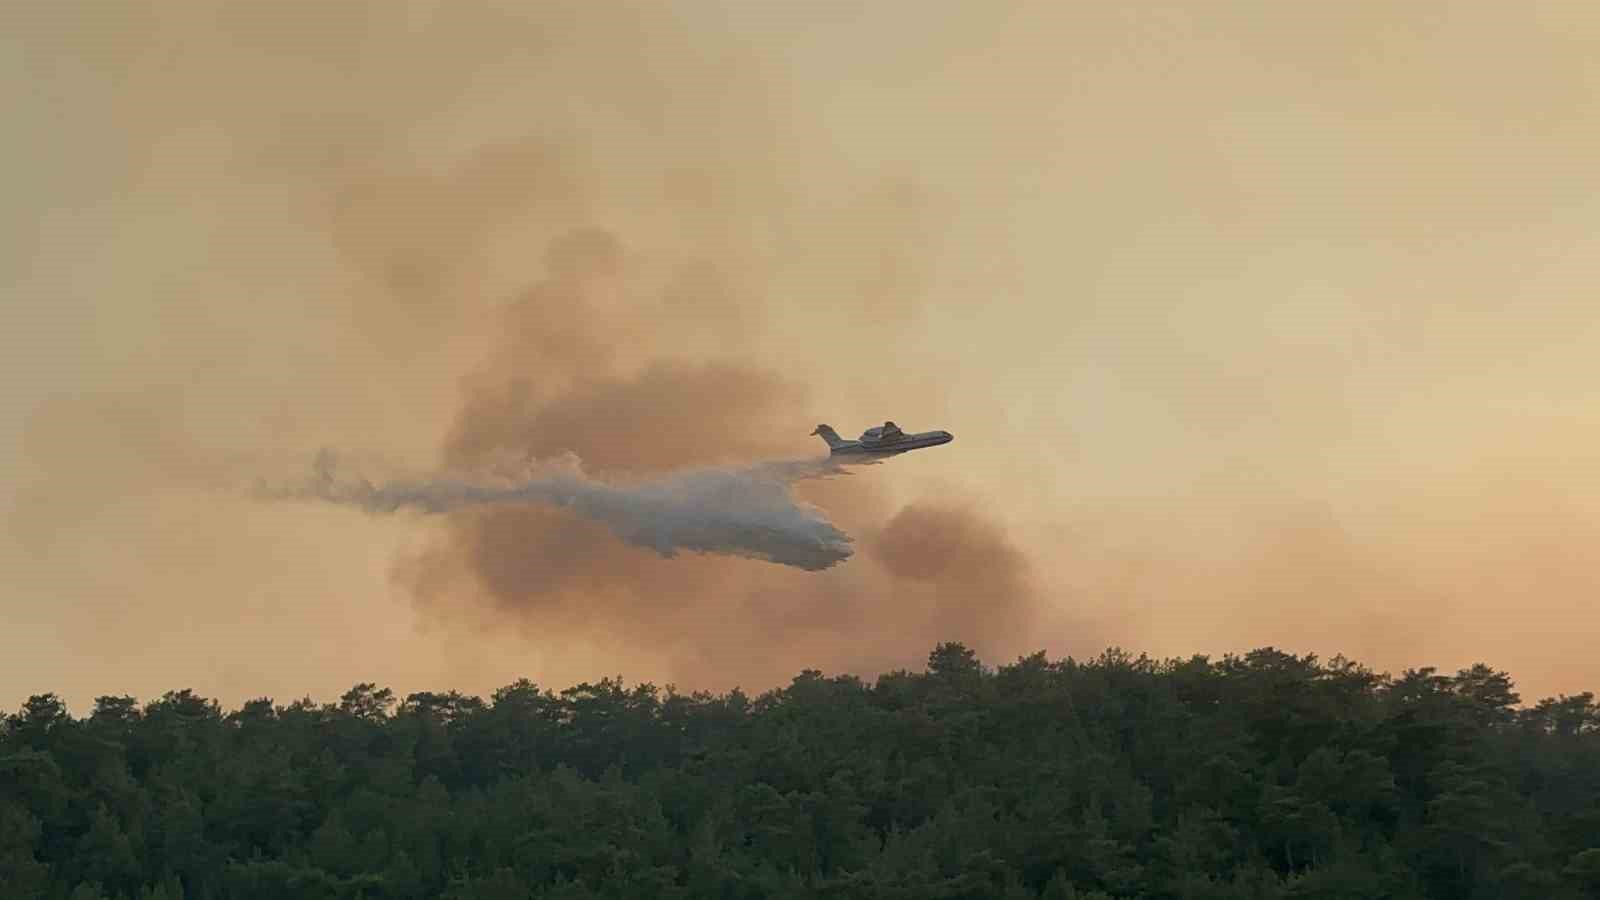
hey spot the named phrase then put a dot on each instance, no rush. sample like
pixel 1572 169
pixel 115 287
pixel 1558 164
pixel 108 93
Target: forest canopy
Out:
pixel 1266 775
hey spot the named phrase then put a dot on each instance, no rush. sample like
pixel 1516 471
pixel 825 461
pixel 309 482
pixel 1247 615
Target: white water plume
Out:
pixel 735 511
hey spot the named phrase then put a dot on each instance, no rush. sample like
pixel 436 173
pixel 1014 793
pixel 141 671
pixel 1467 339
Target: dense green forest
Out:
pixel 1262 776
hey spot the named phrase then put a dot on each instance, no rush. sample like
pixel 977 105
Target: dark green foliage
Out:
pixel 1265 776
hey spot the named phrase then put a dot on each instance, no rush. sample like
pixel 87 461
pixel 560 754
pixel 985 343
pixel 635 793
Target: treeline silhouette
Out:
pixel 1266 775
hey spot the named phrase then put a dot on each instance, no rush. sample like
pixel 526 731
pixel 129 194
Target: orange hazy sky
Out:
pixel 1256 323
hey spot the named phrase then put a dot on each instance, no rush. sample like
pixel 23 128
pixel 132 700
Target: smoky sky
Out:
pixel 706 435
pixel 1255 325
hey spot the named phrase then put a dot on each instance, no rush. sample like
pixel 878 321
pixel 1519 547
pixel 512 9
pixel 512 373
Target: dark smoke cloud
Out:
pixel 663 418
pixel 677 455
pixel 965 574
pixel 676 448
pixel 707 620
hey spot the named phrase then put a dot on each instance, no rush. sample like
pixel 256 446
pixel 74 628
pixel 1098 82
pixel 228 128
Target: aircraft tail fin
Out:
pixel 827 433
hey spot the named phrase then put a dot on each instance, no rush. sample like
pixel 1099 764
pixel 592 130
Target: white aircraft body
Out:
pixel 884 440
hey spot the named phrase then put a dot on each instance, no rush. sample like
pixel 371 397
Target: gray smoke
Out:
pixel 733 511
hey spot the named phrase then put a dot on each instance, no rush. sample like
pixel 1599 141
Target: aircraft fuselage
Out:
pixel 902 444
